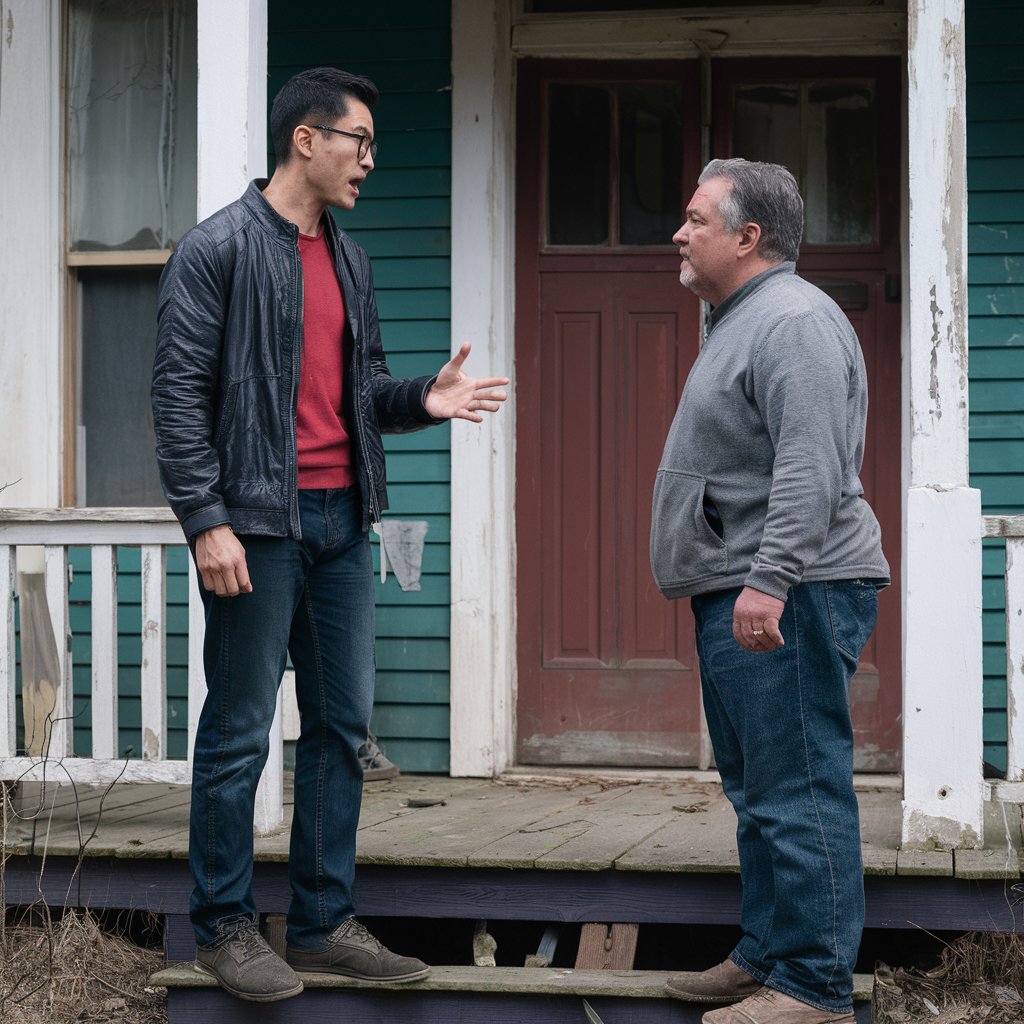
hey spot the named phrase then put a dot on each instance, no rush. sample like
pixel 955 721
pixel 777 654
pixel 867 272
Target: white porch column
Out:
pixel 31 255
pixel 483 484
pixel 942 696
pixel 232 100
pixel 232 125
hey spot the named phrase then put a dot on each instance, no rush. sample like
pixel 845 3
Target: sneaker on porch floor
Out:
pixel 247 967
pixel 376 766
pixel 352 951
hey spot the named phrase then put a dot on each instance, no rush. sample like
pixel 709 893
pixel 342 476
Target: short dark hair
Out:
pixel 765 194
pixel 314 95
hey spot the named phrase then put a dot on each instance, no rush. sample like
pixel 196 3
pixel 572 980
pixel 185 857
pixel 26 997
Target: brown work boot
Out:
pixel 771 1007
pixel 723 983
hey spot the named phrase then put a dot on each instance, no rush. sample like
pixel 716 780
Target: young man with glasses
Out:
pixel 270 392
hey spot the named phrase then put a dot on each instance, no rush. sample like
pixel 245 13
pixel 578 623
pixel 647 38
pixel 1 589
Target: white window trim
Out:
pixel 31 254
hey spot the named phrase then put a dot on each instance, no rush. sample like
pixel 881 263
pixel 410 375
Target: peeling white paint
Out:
pixel 942 726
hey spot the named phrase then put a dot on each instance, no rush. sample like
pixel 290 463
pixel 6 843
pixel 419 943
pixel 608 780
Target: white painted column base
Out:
pixel 943 791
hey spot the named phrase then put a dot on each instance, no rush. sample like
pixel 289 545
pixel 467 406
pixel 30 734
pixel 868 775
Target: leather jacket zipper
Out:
pixel 297 336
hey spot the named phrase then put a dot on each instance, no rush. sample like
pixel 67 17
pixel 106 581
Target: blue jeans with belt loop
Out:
pixel 312 598
pixel 783 741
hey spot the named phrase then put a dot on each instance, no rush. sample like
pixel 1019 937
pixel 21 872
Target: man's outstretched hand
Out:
pixel 454 396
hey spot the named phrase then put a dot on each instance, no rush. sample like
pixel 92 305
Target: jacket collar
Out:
pixel 287 234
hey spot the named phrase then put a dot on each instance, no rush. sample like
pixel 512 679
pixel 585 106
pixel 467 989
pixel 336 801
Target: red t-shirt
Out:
pixel 325 455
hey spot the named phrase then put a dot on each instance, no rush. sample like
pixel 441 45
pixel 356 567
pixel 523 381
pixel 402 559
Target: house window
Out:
pixel 131 76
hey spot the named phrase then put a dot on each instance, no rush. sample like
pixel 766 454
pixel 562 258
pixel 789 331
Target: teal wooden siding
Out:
pixel 995 174
pixel 403 220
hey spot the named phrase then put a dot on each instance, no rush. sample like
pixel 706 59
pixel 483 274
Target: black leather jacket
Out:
pixel 226 374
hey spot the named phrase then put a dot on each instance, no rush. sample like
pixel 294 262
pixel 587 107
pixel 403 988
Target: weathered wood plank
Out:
pixel 196 670
pixel 997 862
pixel 153 674
pixel 55 558
pixel 104 651
pixel 701 837
pixel 8 721
pixel 607 948
pixel 82 526
pixel 592 835
pixel 532 842
pixel 1002 526
pixel 879 831
pixel 924 862
pixel 450 835
pixel 93 771
pixel 268 814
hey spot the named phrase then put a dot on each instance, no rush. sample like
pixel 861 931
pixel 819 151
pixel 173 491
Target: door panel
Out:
pixel 607 667
pixel 605 336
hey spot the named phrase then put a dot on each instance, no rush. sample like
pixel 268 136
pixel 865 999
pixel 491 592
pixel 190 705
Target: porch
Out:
pixel 543 856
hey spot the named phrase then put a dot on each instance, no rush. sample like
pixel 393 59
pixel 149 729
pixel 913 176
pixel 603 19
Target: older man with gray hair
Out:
pixel 760 519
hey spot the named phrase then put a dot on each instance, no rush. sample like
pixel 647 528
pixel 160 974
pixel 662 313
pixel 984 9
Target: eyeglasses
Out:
pixel 365 142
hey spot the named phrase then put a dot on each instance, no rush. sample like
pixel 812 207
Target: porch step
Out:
pixel 471 995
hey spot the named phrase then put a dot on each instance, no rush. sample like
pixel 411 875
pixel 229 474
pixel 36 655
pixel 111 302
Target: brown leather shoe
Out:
pixel 723 983
pixel 771 1007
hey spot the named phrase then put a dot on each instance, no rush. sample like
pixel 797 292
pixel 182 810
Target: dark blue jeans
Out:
pixel 780 726
pixel 312 599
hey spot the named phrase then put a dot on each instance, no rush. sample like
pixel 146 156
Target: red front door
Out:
pixel 608 155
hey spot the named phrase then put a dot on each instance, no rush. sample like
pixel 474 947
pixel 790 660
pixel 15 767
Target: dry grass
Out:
pixel 979 980
pixel 70 970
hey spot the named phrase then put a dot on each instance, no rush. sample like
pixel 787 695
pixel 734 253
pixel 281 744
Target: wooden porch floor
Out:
pixel 567 822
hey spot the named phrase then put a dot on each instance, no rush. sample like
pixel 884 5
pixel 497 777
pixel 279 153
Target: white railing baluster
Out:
pixel 196 671
pixel 104 651
pixel 269 812
pixel 154 652
pixel 8 723
pixel 62 734
pixel 1015 659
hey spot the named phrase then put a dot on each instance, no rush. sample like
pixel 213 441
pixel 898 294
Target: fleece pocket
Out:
pixel 684 548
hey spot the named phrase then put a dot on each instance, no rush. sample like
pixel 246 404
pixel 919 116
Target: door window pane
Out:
pixel 825 134
pixel 766 124
pixel 579 164
pixel 650 163
pixel 132 76
pixel 840 165
pixel 116 449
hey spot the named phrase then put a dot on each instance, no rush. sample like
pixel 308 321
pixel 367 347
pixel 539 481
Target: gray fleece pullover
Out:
pixel 768 438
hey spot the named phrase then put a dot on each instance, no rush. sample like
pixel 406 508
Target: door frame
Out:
pixel 941 512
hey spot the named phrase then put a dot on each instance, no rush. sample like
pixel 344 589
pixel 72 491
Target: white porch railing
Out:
pixel 152 530
pixel 1012 529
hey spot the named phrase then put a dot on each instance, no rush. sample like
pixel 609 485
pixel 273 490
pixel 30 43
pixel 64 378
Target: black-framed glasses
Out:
pixel 365 143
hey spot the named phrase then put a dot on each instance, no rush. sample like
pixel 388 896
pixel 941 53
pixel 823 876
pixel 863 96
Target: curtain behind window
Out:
pixel 131 123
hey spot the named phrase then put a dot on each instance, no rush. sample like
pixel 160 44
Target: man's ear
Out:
pixel 302 140
pixel 750 238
